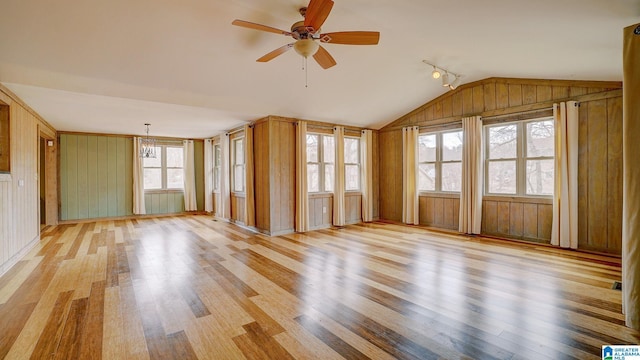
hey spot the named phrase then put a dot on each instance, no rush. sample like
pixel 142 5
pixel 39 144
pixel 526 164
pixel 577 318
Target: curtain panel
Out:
pixel 631 174
pixel 338 190
pixel 250 200
pixel 366 174
pixel 410 200
pixel 190 203
pixel 208 175
pixel 225 183
pixel 472 176
pixel 302 196
pixel 564 228
pixel 138 179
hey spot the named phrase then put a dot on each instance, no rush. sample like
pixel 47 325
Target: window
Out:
pixel 4 139
pixel 217 166
pixel 351 164
pixel 320 163
pixel 520 158
pixel 238 165
pixel 165 171
pixel 440 161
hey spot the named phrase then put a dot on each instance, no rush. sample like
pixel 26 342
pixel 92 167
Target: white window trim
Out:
pixel 163 169
pixel 217 168
pixel 235 165
pixel 520 159
pixel 359 189
pixel 321 164
pixel 438 163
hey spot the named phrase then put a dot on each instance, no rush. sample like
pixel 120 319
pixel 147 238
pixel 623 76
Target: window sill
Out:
pixel 320 195
pixel 5 177
pixel 163 191
pixel 439 194
pixel 520 199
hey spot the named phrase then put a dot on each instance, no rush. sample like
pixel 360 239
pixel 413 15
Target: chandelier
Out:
pixel 147 145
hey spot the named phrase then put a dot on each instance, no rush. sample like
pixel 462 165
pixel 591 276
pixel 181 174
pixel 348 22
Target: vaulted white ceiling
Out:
pixel 111 66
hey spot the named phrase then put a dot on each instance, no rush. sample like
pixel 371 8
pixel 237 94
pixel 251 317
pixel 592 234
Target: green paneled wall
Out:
pixel 96 179
pixel 95 176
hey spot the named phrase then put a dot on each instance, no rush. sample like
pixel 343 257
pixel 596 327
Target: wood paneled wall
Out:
pixel 237 208
pixel 166 202
pixel 442 211
pixel 352 207
pixel 4 138
pixel 600 160
pixel 96 178
pixel 600 175
pixel 19 189
pixel 274 154
pixel 517 218
pixel 320 211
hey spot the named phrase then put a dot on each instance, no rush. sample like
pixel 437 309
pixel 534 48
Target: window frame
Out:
pixel 162 150
pixel 322 163
pixel 438 162
pixel 217 167
pixel 357 164
pixel 235 165
pixel 520 159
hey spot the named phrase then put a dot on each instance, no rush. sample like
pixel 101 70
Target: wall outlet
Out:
pixel 20 182
pixel 324 209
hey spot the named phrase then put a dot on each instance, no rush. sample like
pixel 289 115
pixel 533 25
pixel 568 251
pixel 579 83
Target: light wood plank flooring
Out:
pixel 189 287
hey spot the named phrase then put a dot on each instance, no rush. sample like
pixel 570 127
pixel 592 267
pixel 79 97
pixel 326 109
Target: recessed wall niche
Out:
pixel 4 139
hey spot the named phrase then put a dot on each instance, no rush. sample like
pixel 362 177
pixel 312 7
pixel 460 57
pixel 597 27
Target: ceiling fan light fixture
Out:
pixel 306 47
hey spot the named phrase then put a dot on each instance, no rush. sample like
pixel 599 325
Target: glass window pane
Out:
pixel 451 176
pixel 540 138
pixel 238 156
pixel 427 148
pixel 174 157
pixel 329 149
pixel 175 179
pixel 351 154
pixel 352 177
pixel 539 177
pixel 153 179
pixel 218 155
pixel 216 179
pixel 503 142
pixel 313 177
pixel 427 177
pixel 502 177
pixel 153 162
pixel 238 178
pixel 452 146
pixel 312 148
pixel 329 177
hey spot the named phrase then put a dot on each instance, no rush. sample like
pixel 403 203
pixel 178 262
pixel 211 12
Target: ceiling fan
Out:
pixel 307 35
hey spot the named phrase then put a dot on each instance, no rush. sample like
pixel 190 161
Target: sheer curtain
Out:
pixel 472 175
pixel 410 200
pixel 190 203
pixel 366 174
pixel 250 200
pixel 338 190
pixel 208 175
pixel 302 196
pixel 564 228
pixel 138 179
pixel 225 185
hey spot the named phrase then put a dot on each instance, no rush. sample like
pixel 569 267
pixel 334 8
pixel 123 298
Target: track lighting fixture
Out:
pixel 445 75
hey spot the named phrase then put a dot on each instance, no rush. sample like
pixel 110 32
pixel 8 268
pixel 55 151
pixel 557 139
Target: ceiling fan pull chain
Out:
pixel 306 71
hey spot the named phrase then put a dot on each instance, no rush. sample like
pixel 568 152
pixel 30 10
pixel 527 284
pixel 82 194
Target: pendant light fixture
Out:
pixel 147 145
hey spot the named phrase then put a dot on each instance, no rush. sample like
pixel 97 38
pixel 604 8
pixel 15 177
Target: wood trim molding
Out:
pixel 19 101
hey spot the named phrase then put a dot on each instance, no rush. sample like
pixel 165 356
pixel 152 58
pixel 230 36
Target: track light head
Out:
pixel 454 84
pixel 445 79
pixel 435 73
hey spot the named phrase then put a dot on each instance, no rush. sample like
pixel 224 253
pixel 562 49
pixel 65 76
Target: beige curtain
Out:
pixel 225 184
pixel 631 174
pixel 138 179
pixel 338 190
pixel 410 200
pixel 366 174
pixel 302 196
pixel 208 175
pixel 564 228
pixel 250 200
pixel 472 175
pixel 190 203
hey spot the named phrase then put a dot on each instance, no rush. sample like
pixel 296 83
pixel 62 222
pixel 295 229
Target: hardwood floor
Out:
pixel 188 287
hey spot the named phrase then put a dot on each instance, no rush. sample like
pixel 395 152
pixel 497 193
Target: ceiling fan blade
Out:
pixel 317 13
pixel 277 52
pixel 323 58
pixel 351 37
pixel 260 27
